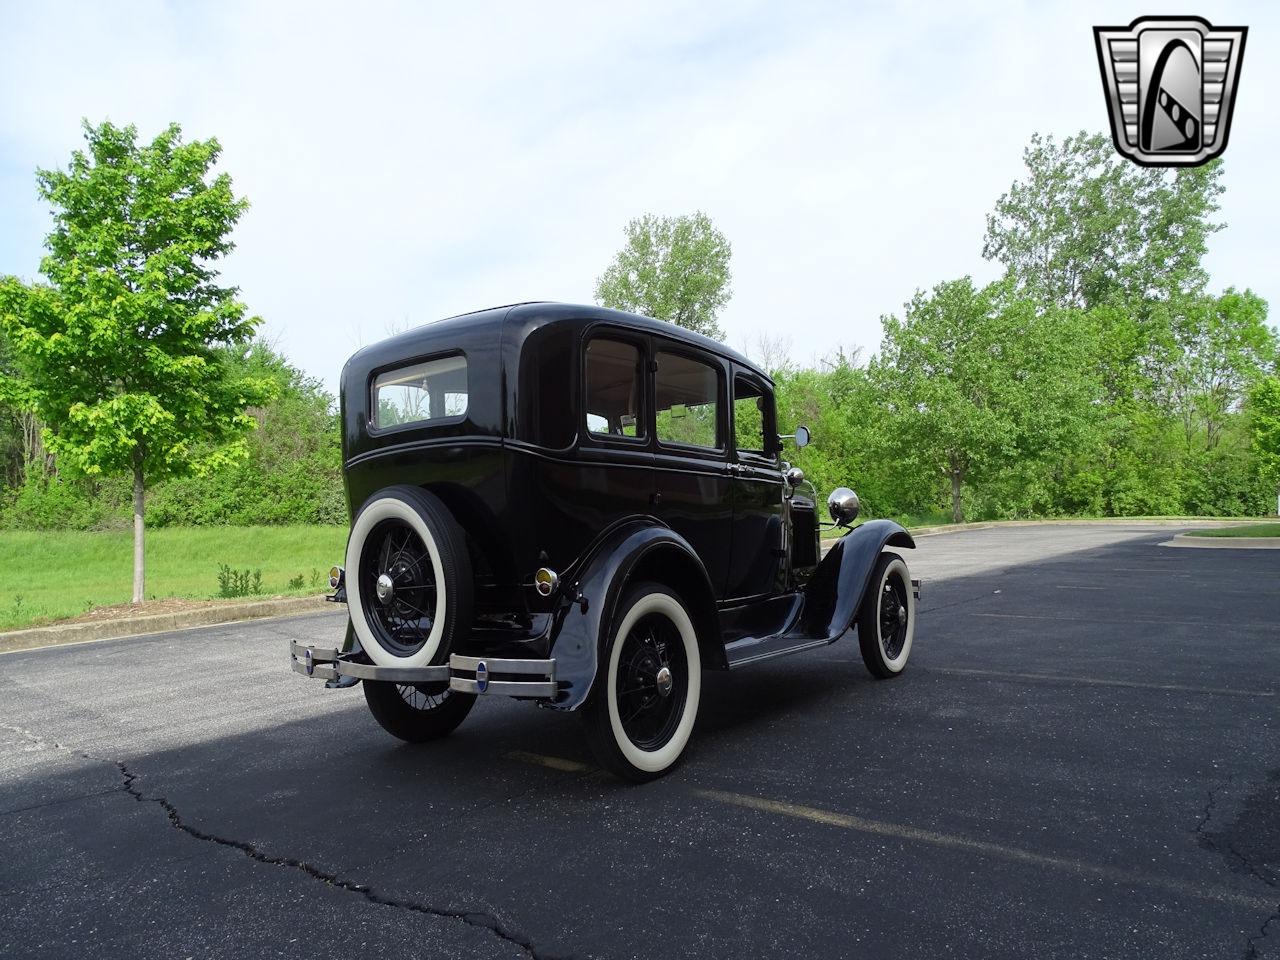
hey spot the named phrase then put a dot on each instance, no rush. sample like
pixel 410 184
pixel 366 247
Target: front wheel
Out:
pixel 645 701
pixel 887 619
pixel 417 713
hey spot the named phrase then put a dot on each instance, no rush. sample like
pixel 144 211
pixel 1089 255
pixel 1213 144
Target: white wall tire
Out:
pixel 650 618
pixel 438 554
pixel 887 618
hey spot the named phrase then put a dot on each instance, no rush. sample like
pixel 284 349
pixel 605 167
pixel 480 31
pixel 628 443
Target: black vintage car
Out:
pixel 586 509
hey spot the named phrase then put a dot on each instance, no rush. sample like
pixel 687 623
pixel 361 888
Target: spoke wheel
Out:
pixel 417 712
pixel 887 618
pixel 423 696
pixel 396 576
pixel 653 677
pixel 893 616
pixel 644 701
pixel 409 582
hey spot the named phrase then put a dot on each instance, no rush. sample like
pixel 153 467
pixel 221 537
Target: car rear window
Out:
pixel 432 390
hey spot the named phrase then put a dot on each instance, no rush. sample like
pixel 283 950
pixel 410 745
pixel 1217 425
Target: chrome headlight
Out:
pixel 843 506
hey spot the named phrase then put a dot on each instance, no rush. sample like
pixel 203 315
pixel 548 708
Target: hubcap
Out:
pixel 665 681
pixel 386 588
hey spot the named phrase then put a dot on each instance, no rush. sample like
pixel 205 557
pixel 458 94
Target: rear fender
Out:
pixel 640 550
pixel 834 592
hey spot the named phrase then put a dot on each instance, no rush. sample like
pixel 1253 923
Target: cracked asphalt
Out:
pixel 1081 760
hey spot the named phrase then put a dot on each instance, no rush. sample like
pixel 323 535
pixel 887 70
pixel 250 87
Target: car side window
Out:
pixel 751 407
pixel 687 401
pixel 613 389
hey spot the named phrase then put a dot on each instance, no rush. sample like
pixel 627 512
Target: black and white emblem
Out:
pixel 1170 84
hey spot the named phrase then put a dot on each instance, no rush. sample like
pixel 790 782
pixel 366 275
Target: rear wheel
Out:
pixel 417 712
pixel 645 700
pixel 887 619
pixel 408 578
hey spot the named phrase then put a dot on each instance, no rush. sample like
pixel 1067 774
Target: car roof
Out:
pixel 493 321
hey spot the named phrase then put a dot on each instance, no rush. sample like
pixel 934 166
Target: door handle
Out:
pixel 655 498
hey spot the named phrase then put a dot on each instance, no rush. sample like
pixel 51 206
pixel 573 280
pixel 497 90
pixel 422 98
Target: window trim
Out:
pixel 641 346
pixel 430 423
pixel 722 424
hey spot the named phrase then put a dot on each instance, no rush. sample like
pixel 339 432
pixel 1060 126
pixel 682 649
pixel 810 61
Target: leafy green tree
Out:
pixel 1225 347
pixel 671 268
pixel 975 379
pixel 1264 403
pixel 293 471
pixel 1086 227
pixel 121 346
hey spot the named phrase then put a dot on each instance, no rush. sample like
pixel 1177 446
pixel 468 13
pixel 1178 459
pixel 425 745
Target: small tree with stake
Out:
pixel 120 348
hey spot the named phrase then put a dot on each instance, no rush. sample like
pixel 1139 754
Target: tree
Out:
pixel 972 380
pixel 121 345
pixel 1264 403
pixel 671 268
pixel 1087 227
pixel 1225 347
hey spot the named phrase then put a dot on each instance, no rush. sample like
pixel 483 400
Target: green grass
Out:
pixel 1251 530
pixel 53 575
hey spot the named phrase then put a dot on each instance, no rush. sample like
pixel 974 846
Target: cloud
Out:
pixel 406 162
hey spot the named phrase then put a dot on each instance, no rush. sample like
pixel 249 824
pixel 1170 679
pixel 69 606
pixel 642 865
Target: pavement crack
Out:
pixel 473 918
pixel 1208 839
pixel 1205 816
pixel 1251 946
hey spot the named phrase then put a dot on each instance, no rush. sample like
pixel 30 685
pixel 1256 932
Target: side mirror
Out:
pixel 801 436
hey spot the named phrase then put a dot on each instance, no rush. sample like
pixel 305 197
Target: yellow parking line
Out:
pixel 1044 616
pixel 1100 681
pixel 552 763
pixel 986 848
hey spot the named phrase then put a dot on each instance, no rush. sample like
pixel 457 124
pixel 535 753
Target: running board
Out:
pixel 748 650
pixel 754 654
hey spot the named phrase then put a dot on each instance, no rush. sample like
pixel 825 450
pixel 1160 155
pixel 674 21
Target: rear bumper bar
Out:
pixel 479 675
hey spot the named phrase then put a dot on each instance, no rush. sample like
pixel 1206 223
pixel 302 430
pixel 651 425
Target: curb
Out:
pixel 1077 521
pixel 1224 543
pixel 57 635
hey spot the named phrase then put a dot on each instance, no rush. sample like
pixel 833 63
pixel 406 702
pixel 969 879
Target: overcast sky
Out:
pixel 410 161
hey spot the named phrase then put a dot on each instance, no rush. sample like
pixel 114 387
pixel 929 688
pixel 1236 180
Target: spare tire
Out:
pixel 408 578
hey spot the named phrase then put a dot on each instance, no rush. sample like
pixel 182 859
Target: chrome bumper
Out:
pixel 519 678
pixel 480 675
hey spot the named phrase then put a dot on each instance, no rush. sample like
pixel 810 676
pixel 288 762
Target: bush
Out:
pixel 238 583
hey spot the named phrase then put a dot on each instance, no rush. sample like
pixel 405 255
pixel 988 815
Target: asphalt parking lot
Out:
pixel 1082 760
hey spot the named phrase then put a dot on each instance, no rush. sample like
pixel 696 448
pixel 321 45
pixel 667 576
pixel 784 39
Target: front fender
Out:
pixel 834 592
pixel 591 600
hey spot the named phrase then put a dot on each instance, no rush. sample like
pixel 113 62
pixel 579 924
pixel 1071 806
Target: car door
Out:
pixel 612 477
pixel 756 566
pixel 691 464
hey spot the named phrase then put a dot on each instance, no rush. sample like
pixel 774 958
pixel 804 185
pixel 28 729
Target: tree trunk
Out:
pixel 957 508
pixel 139 557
